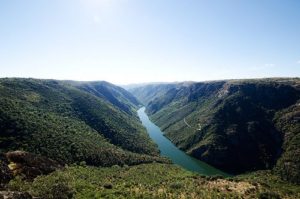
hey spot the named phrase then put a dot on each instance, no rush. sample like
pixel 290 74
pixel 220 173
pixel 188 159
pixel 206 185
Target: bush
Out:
pixel 54 187
pixel 176 185
pixel 268 195
pixel 108 186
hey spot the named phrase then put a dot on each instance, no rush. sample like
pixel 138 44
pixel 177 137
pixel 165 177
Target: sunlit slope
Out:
pixel 68 124
pixel 153 181
pixel 235 125
pixel 116 95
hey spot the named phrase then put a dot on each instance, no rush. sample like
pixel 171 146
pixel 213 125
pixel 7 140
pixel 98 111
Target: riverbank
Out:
pixel 168 149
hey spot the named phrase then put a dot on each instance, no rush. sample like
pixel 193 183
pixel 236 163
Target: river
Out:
pixel 168 149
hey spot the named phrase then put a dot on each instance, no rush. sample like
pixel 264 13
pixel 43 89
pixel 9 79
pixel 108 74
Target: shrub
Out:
pixel 268 195
pixel 176 185
pixel 56 186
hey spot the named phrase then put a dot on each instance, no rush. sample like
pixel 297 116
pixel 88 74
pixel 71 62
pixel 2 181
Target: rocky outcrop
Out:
pixel 30 165
pixel 27 165
pixel 5 173
pixel 14 195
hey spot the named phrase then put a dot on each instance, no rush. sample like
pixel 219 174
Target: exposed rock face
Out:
pixel 14 195
pixel 22 163
pixel 5 173
pixel 30 165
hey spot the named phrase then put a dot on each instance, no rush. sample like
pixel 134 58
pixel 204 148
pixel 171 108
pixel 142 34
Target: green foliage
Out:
pixel 234 125
pixel 57 187
pixel 117 96
pixel 62 122
pixel 268 195
pixel 176 185
pixel 288 121
pixel 271 185
pixel 150 181
pixel 149 92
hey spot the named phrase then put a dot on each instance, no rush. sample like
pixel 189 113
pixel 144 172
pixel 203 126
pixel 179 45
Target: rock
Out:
pixel 5 173
pixel 14 195
pixel 30 165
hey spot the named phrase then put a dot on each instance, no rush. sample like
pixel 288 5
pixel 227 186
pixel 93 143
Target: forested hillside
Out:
pixel 117 96
pixel 66 139
pixel 235 125
pixel 73 122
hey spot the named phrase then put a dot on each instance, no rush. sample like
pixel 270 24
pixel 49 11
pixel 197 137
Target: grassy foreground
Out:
pixel 153 180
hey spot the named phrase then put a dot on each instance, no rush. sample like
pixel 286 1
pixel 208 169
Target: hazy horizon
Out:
pixel 133 42
pixel 133 84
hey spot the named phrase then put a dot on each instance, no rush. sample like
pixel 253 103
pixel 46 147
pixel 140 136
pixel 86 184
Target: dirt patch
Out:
pixel 231 186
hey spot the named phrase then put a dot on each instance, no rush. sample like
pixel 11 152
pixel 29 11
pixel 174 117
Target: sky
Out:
pixel 134 41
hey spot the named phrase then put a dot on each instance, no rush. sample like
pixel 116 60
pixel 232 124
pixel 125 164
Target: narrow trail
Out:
pixel 199 125
pixel 187 123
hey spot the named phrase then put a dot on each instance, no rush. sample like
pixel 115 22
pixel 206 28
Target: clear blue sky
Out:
pixel 132 41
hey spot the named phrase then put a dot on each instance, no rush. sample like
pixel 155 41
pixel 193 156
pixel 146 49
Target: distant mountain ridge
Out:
pixel 114 94
pixel 234 125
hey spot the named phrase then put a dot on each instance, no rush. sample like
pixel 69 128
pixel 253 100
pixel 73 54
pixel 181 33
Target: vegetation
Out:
pixel 62 122
pixel 85 139
pixel 148 92
pixel 235 125
pixel 118 96
pixel 288 121
pixel 271 185
pixel 151 181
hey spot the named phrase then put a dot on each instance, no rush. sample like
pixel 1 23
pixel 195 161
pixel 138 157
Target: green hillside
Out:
pixel 234 125
pixel 86 140
pixel 117 96
pixel 152 181
pixel 62 121
pixel 148 92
